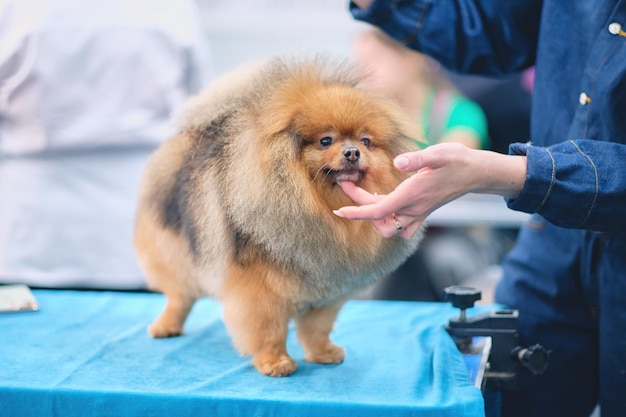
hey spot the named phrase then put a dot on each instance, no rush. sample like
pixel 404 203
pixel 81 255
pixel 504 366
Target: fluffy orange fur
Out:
pixel 238 206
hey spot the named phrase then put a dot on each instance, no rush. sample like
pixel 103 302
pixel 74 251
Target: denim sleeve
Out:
pixel 469 36
pixel 575 184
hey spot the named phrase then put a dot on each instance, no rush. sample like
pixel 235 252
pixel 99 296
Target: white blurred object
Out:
pixel 244 30
pixel 76 74
pixel 477 209
pixel 87 90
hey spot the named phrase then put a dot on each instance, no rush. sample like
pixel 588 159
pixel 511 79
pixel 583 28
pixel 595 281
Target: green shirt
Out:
pixel 447 110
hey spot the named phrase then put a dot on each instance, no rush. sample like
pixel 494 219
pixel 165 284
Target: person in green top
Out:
pixel 422 88
pixel 448 116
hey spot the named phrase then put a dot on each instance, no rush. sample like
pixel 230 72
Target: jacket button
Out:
pixel 615 28
pixel 583 99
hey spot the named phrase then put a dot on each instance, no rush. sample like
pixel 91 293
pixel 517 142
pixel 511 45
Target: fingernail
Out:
pixel 338 213
pixel 401 162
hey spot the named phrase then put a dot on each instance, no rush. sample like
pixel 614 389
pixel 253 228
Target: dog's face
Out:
pixel 317 135
pixel 348 135
pixel 334 156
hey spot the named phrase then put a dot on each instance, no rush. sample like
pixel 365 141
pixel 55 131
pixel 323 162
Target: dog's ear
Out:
pixel 297 140
pixel 287 139
pixel 276 120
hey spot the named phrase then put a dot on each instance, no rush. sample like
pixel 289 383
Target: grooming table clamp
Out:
pixel 506 357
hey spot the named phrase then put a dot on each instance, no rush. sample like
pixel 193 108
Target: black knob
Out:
pixel 534 358
pixel 461 297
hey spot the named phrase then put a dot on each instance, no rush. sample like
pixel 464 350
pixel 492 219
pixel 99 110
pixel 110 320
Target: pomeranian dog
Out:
pixel 239 205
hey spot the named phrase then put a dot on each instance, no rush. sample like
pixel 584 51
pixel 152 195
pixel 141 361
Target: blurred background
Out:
pixel 88 90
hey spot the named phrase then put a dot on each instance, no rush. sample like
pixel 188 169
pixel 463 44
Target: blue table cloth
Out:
pixel 88 354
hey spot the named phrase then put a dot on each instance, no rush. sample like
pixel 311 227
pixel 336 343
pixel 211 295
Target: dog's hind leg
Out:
pixel 166 263
pixel 170 322
pixel 179 303
pixel 313 329
pixel 179 299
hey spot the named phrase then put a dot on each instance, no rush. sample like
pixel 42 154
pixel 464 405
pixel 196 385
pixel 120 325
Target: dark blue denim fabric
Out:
pixel 550 279
pixel 567 272
pixel 576 184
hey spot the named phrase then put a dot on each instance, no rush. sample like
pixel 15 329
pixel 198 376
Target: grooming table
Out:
pixel 88 353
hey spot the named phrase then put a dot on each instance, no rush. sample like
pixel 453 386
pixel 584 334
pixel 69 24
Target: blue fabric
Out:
pixel 88 353
pixel 576 184
pixel 567 280
pixel 467 36
pixel 547 281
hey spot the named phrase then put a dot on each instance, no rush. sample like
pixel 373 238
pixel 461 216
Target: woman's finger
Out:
pixel 358 194
pixel 394 226
pixel 373 206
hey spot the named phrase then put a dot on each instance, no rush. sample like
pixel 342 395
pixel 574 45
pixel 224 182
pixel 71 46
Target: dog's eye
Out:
pixel 326 141
pixel 367 142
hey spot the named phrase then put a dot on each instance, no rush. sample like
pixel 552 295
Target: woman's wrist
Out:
pixel 499 173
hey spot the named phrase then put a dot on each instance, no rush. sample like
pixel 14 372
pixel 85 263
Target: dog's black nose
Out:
pixel 352 154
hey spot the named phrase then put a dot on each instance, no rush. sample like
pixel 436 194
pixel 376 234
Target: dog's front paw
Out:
pixel 330 354
pixel 162 328
pixel 272 365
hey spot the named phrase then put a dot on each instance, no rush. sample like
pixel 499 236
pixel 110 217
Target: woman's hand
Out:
pixel 442 173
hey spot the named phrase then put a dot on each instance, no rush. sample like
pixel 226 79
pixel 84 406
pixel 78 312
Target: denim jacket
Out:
pixel 577 160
